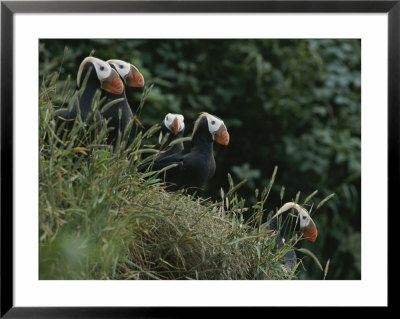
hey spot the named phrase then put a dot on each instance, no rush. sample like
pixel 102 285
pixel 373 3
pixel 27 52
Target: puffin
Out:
pixel 291 218
pixel 173 125
pixel 195 166
pixel 100 76
pixel 120 113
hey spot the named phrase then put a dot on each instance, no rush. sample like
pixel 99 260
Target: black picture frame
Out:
pixel 9 8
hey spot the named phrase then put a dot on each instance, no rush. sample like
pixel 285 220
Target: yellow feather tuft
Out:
pixel 196 124
pixel 86 60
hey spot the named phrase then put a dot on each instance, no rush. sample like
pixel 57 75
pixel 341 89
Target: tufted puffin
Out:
pixel 99 75
pixel 194 167
pixel 120 113
pixel 290 218
pixel 173 125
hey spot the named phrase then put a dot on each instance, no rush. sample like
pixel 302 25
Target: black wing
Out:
pixel 158 164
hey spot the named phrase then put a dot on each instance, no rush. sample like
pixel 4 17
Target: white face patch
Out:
pixel 103 69
pixel 122 67
pixel 303 215
pixel 304 218
pixel 214 123
pixel 170 117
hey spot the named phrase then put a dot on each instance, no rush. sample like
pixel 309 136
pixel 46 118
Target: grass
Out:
pixel 100 219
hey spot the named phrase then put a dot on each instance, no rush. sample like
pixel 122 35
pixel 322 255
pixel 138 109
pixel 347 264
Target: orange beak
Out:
pixel 311 233
pixel 113 84
pixel 174 127
pixel 222 136
pixel 134 78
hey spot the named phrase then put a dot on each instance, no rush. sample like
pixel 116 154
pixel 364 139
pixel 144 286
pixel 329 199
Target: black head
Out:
pixel 128 73
pixel 291 218
pixel 101 73
pixel 211 127
pixel 173 125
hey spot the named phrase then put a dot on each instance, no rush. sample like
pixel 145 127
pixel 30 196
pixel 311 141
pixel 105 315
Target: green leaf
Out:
pixel 310 196
pixel 309 253
pixel 110 104
pixel 181 139
pixel 326 268
pixel 325 200
pixel 282 192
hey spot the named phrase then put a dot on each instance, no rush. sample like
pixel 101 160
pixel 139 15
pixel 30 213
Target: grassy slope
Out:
pixel 99 219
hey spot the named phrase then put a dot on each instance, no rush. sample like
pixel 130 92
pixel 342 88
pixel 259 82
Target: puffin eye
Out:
pixel 121 66
pixel 304 217
pixel 102 68
pixel 212 122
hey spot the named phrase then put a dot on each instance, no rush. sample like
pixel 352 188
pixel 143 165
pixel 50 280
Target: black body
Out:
pixel 85 102
pixel 119 114
pixel 194 167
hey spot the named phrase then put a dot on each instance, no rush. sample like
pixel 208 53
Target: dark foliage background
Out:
pixel 290 103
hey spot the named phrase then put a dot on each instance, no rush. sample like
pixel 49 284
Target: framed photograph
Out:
pixel 164 155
